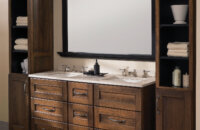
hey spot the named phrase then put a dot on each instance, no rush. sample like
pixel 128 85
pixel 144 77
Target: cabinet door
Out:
pixel 173 110
pixel 18 102
pixel 40 35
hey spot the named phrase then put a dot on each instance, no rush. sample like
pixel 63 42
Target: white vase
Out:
pixel 179 13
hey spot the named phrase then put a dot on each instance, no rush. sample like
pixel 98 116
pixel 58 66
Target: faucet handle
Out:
pixel 66 68
pixel 124 71
pixel 145 75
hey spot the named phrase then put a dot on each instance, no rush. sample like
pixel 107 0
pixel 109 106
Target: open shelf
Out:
pixel 18 27
pixel 19 51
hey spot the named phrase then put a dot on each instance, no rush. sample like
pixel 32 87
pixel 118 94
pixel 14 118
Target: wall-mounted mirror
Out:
pixel 118 29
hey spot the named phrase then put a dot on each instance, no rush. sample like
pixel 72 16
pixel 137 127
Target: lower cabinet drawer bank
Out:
pixel 90 106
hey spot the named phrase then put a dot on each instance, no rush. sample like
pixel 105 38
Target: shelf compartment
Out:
pixel 17 58
pixel 173 58
pixel 19 51
pixel 168 66
pixel 173 25
pixel 19 27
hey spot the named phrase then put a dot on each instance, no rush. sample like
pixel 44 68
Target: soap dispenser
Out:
pixel 96 68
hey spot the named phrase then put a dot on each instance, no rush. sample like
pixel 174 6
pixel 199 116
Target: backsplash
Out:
pixel 107 66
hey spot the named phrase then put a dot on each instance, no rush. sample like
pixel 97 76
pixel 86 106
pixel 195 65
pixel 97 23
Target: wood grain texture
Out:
pixel 117 97
pixel 18 102
pixel 49 89
pixel 81 115
pixel 41 124
pixel 48 109
pixel 80 93
pixel 76 127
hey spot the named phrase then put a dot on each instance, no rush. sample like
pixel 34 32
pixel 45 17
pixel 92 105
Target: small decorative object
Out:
pixel 179 13
pixel 176 77
pixel 96 68
pixel 185 80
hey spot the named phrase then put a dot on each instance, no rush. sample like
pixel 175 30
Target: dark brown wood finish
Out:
pixel 175 108
pixel 40 124
pixel 48 109
pixel 76 127
pixel 49 89
pixel 18 102
pixel 81 115
pixel 117 97
pixel 114 119
pixel 80 93
pixel 40 35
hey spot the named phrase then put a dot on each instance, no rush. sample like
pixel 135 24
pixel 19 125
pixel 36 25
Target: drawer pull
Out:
pixel 117 121
pixel 157 105
pixel 80 94
pixel 49 110
pixel 81 115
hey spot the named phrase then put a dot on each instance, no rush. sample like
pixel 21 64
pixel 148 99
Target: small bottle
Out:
pixel 176 77
pixel 185 80
pixel 96 68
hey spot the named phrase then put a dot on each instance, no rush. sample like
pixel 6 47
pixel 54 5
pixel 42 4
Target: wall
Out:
pixel 109 66
pixel 4 60
pixel 198 68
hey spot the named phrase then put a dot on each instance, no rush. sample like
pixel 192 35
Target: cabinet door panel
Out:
pixel 18 102
pixel 40 35
pixel 173 110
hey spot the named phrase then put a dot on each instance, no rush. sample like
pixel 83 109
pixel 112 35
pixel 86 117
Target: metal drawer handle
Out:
pixel 50 110
pixel 118 121
pixel 81 115
pixel 80 94
pixel 157 105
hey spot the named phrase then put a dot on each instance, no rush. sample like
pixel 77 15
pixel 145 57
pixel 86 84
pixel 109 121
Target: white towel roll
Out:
pixel 21 47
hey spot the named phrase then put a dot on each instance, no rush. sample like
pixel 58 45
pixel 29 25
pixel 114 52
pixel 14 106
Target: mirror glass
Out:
pixel 109 27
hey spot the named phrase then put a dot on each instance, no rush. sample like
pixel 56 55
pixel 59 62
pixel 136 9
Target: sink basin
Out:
pixel 67 74
pixel 132 79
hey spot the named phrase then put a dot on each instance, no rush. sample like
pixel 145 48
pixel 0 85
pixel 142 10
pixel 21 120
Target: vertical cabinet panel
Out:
pixel 173 110
pixel 40 35
pixel 18 102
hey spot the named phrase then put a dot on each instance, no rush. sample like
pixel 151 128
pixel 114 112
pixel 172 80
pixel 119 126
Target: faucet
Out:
pixel 133 73
pixel 67 68
pixel 125 71
pixel 145 75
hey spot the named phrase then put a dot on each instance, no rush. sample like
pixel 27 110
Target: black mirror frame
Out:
pixel 65 52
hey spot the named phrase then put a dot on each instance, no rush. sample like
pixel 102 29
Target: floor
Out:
pixel 3 125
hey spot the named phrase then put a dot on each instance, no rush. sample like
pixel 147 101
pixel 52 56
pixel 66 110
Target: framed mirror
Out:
pixel 114 29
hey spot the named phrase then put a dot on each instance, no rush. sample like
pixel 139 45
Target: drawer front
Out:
pixel 49 89
pixel 39 124
pixel 48 109
pixel 117 97
pixel 76 127
pixel 81 114
pixel 80 93
pixel 114 119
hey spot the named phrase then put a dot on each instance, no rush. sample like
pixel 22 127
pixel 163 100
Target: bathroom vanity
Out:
pixel 59 101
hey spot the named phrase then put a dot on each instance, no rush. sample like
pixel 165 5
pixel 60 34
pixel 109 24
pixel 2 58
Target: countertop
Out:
pixel 108 79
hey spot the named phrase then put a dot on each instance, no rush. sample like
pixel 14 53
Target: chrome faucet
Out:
pixel 66 68
pixel 145 75
pixel 133 73
pixel 125 71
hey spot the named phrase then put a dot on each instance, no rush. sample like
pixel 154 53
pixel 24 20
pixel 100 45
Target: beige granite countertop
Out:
pixel 108 79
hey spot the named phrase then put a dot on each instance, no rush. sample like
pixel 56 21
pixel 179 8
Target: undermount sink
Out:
pixel 132 79
pixel 67 74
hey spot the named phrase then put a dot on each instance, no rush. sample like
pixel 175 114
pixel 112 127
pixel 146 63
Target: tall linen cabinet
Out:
pixel 39 33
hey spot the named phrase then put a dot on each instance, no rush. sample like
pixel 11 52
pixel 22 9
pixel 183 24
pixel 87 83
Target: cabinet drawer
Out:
pixel 76 127
pixel 48 109
pixel 80 93
pixel 114 119
pixel 117 97
pixel 39 124
pixel 81 114
pixel 49 89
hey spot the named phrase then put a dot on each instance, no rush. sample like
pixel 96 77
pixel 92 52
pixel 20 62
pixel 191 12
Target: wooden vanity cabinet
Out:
pixel 91 106
pixel 18 102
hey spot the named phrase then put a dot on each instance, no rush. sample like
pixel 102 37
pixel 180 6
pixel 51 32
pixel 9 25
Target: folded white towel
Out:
pixel 22 18
pixel 21 47
pixel 178 51
pixel 21 41
pixel 174 54
pixel 178 45
pixel 22 24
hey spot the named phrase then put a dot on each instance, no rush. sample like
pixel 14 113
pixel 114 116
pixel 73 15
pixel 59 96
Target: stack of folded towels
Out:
pixel 21 44
pixel 178 49
pixel 22 21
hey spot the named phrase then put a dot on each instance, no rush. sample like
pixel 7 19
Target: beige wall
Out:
pixel 198 69
pixel 4 60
